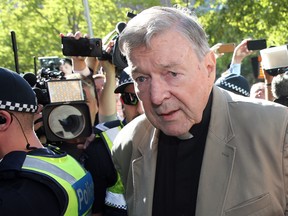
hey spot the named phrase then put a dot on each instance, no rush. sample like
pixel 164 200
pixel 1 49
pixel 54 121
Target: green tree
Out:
pixel 38 24
pixel 232 21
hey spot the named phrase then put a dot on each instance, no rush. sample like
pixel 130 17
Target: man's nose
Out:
pixel 159 90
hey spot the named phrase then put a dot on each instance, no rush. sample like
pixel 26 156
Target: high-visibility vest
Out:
pixel 67 172
pixel 114 195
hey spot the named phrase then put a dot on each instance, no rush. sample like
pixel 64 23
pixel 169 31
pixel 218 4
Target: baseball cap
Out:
pixel 234 83
pixel 15 93
pixel 124 80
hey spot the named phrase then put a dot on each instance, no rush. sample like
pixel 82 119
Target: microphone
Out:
pixel 120 27
pixel 30 78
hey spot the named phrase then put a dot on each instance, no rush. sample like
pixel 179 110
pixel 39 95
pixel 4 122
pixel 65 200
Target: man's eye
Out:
pixel 174 74
pixel 140 79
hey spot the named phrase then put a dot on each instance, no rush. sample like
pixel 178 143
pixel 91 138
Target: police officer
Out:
pixel 115 204
pixel 35 180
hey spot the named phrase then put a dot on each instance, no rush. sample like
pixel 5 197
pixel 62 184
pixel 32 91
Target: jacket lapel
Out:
pixel 144 168
pixel 218 159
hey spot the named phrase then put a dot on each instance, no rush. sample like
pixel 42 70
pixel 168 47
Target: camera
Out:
pixel 82 47
pixel 49 69
pixel 117 58
pixel 275 59
pixel 93 47
pixel 256 44
pixel 65 114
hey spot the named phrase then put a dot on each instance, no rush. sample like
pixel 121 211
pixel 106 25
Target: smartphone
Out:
pixel 82 47
pixel 226 48
pixel 256 44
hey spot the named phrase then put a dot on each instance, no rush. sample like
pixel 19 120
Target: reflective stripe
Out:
pixel 112 133
pixel 115 200
pixel 114 195
pixel 36 163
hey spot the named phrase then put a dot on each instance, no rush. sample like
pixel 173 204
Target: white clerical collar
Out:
pixel 186 136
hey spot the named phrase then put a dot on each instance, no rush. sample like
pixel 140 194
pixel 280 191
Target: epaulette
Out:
pixel 99 128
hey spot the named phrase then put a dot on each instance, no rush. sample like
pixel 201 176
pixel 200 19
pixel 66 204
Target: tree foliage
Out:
pixel 37 24
pixel 233 21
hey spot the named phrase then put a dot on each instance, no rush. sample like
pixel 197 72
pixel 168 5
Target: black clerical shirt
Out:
pixel 178 170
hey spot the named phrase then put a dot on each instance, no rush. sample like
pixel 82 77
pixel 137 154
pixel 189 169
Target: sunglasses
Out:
pixel 129 98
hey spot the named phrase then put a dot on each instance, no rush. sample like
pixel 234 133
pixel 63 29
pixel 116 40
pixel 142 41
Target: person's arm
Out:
pixel 268 81
pixel 215 48
pixel 93 63
pixel 239 54
pixel 79 64
pixel 107 100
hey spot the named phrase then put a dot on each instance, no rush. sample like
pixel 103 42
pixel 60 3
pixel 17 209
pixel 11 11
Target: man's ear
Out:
pixel 2 120
pixel 210 64
pixel 5 120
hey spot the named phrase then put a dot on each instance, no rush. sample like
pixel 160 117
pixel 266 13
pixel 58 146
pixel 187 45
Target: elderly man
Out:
pixel 198 150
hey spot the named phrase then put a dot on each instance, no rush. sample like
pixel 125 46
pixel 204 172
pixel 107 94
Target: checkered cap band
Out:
pixel 18 107
pixel 124 81
pixel 235 88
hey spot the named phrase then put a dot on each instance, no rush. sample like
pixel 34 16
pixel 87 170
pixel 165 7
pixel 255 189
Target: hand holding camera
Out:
pixel 241 51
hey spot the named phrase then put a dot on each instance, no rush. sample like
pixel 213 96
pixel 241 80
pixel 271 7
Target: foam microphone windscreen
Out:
pixel 120 27
pixel 30 78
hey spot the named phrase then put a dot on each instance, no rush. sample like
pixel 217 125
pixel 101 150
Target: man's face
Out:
pixel 173 84
pixel 66 68
pixel 258 91
pixel 131 111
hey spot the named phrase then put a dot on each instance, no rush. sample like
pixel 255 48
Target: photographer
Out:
pixel 87 66
pixel 66 66
pixel 94 157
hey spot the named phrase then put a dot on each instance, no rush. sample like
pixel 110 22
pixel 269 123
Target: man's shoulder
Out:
pixel 139 122
pixel 138 125
pixel 135 132
pixel 261 106
pixel 13 161
pixel 27 196
pixel 247 104
pixel 247 112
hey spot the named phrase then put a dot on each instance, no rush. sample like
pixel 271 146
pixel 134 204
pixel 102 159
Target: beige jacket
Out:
pixel 245 163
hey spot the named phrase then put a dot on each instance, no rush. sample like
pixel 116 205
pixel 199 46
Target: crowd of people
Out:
pixel 167 137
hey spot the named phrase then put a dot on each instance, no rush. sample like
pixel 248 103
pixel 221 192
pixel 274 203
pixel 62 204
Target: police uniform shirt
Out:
pixel 178 170
pixel 96 158
pixel 99 163
pixel 21 194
